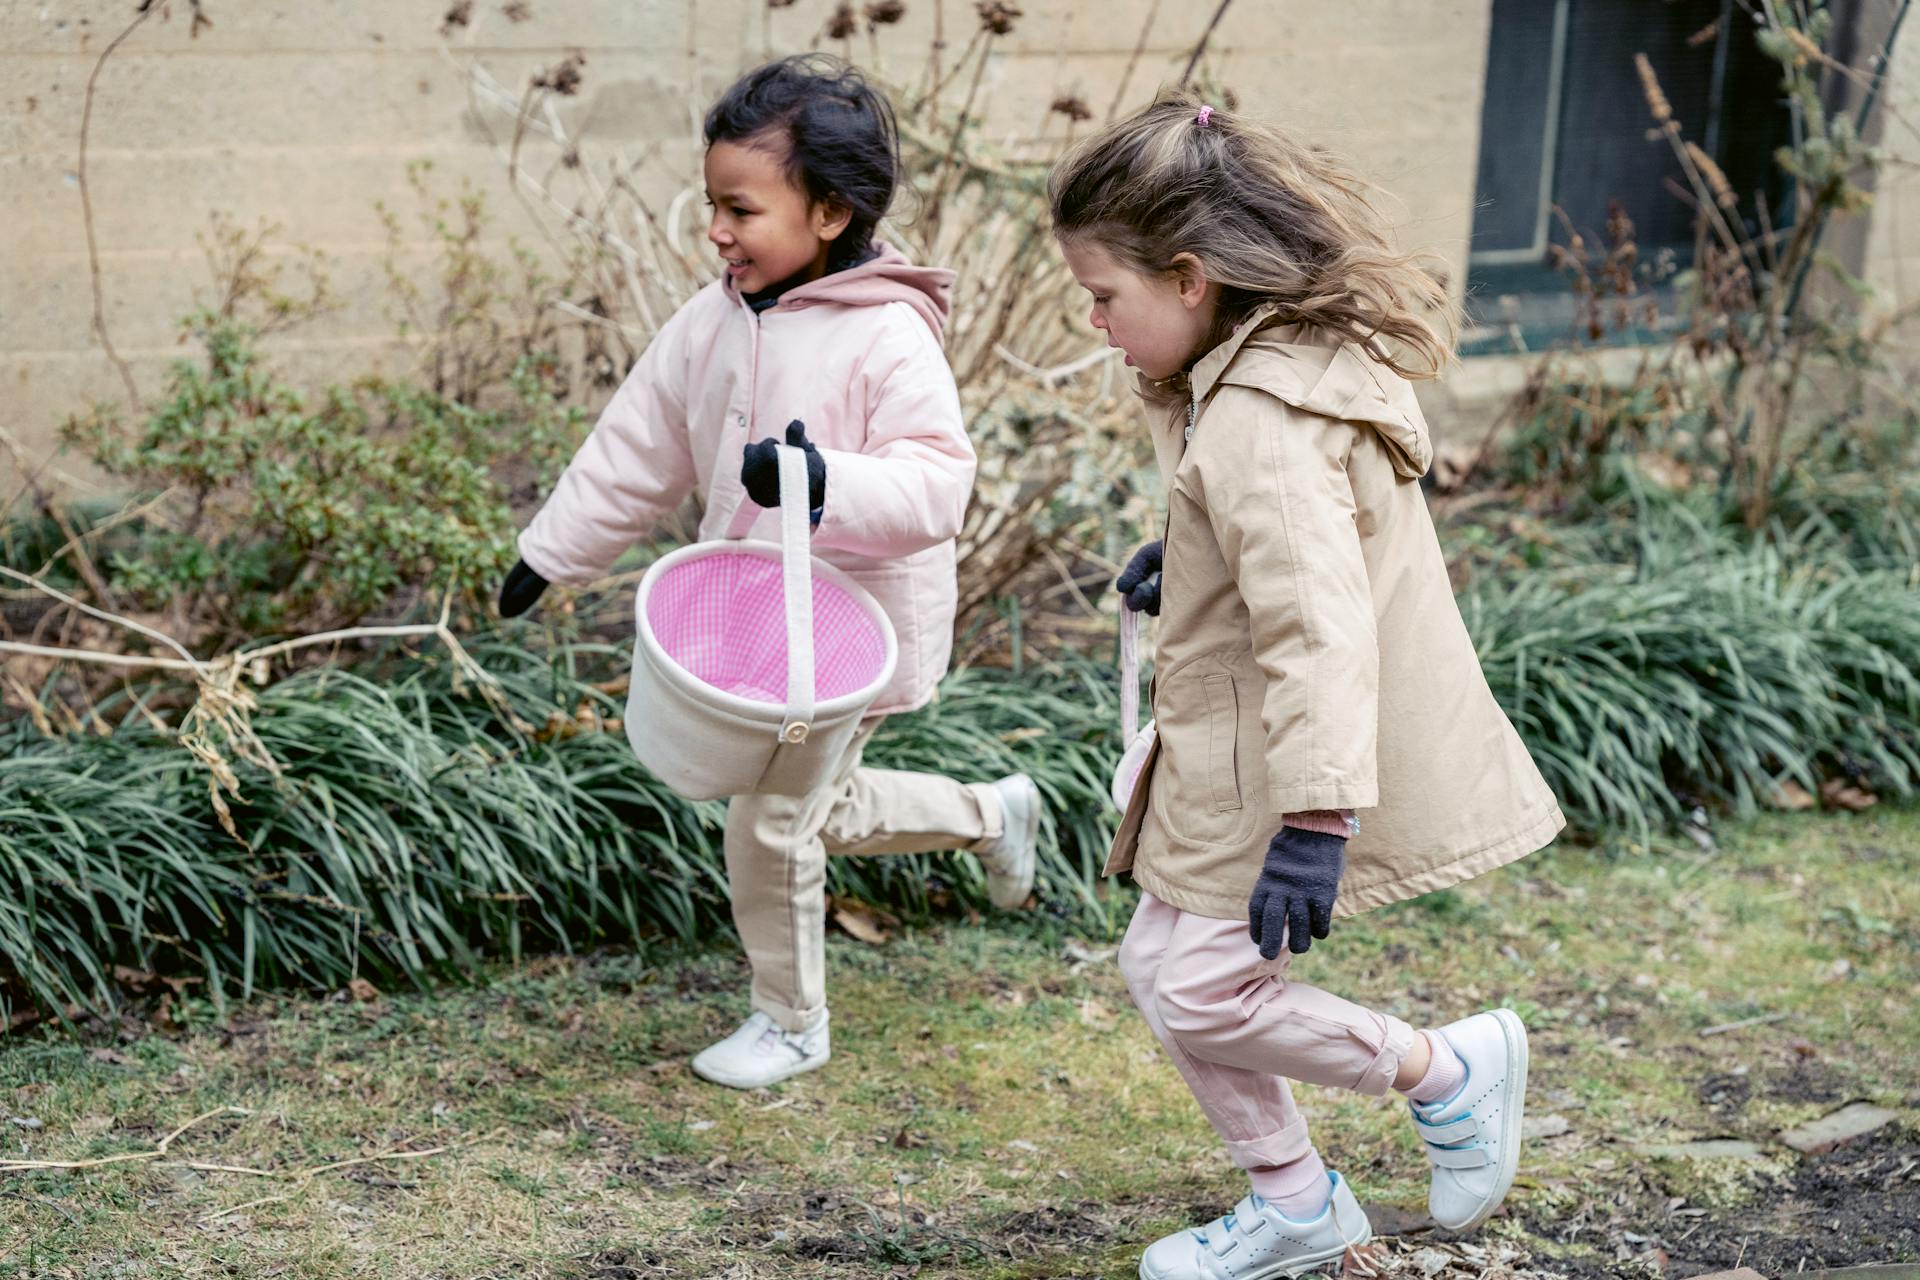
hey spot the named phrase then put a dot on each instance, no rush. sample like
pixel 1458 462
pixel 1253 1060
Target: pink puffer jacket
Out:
pixel 856 356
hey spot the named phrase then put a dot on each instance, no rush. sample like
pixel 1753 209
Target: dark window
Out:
pixel 1565 123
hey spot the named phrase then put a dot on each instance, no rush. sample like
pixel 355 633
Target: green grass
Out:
pixel 994 1108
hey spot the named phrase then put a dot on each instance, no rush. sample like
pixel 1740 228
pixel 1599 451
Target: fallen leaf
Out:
pixel 1080 955
pixel 1095 1014
pixel 865 923
pixel 1792 797
pixel 1838 793
pixel 362 991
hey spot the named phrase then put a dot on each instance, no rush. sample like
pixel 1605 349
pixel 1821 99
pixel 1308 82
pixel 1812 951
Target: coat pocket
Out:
pixel 1198 792
pixel 1223 738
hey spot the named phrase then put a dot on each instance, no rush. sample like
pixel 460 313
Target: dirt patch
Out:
pixel 1859 1204
pixel 1051 1226
pixel 665 1172
pixel 619 1264
pixel 1854 1206
pixel 831 1249
pixel 1809 1080
pixel 1726 1091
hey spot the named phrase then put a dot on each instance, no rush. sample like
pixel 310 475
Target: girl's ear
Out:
pixel 830 218
pixel 1190 280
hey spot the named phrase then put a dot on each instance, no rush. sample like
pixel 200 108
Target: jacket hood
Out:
pixel 1309 369
pixel 886 277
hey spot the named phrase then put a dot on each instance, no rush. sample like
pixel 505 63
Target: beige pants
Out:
pixel 777 851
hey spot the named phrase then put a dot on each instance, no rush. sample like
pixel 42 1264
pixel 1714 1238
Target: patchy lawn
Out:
pixel 995 1108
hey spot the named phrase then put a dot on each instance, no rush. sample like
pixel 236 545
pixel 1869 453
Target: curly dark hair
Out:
pixel 841 142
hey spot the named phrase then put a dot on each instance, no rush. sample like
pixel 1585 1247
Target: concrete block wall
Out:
pixel 306 112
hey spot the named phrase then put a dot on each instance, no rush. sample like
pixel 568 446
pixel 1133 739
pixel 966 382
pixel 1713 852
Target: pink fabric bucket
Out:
pixel 755 662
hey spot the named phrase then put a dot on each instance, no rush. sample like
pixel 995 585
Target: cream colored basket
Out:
pixel 754 662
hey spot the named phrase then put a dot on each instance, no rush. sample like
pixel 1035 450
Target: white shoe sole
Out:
pixel 1512 1108
pixel 732 1081
pixel 1288 1269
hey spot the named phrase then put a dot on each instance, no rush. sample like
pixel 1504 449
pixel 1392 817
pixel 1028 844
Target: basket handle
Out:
pixel 796 579
pixel 796 574
pixel 1130 672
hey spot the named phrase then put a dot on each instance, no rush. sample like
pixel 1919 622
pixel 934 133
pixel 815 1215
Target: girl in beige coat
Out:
pixel 1326 740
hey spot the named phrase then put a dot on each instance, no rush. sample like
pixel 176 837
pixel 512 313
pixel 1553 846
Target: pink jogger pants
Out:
pixel 1238 1030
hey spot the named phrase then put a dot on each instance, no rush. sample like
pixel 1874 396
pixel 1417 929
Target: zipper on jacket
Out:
pixel 1193 411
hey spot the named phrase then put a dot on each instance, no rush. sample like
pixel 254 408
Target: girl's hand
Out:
pixel 760 469
pixel 1139 582
pixel 1295 893
pixel 522 588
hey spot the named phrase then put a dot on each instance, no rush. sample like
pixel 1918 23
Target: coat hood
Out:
pixel 886 277
pixel 1306 368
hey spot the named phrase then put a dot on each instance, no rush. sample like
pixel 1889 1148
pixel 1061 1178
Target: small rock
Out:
pixel 701 1126
pixel 26 1122
pixel 1547 1126
pixel 1705 1149
pixel 1021 1144
pixel 1855 1120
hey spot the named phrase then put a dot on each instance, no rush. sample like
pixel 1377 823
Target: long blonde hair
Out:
pixel 1269 219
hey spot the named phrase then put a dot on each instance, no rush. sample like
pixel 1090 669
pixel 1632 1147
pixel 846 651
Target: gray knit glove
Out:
pixel 1294 896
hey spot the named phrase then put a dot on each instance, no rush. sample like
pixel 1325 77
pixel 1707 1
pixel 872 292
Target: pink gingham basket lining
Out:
pixel 722 618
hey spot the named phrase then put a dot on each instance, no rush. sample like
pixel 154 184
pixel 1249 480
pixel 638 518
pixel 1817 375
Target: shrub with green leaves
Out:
pixel 291 510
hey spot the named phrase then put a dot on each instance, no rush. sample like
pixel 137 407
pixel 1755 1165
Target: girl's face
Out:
pixel 1160 321
pixel 765 228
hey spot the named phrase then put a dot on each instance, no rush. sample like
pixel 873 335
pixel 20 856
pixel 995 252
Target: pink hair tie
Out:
pixel 1206 115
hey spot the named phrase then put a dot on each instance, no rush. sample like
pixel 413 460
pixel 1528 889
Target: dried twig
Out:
pixel 220 721
pixel 77 541
pixel 1139 48
pixel 1744 1023
pixel 303 1177
pixel 86 205
pixel 1200 46
pixel 125 1157
pixel 189 660
pixel 299 1177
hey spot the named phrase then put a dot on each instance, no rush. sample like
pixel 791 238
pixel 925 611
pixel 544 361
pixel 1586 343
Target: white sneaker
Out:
pixel 762 1052
pixel 1256 1242
pixel 1009 859
pixel 1473 1138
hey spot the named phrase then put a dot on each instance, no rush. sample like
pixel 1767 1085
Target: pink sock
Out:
pixel 1299 1189
pixel 1445 1074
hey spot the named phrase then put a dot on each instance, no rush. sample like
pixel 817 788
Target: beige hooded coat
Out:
pixel 1310 654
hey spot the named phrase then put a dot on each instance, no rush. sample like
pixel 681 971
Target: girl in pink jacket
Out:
pixel 819 329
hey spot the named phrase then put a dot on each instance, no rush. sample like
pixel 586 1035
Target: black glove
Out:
pixel 760 469
pixel 1296 890
pixel 1139 582
pixel 522 588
